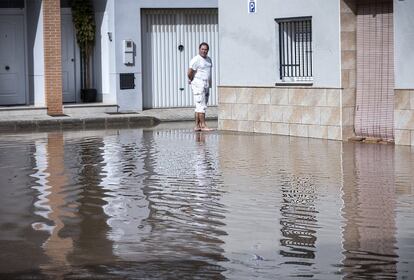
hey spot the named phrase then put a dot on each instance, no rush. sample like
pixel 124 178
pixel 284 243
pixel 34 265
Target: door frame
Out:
pixel 21 12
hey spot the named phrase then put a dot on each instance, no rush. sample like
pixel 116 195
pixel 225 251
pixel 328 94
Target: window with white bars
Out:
pixel 295 49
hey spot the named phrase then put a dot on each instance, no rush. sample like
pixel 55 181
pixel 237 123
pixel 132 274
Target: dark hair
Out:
pixel 204 44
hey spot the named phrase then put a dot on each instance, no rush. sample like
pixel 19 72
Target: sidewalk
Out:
pixel 90 117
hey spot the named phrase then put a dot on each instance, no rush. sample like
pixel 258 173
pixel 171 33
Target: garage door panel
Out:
pixel 170 38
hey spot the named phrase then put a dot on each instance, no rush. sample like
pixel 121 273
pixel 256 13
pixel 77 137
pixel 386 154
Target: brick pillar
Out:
pixel 53 57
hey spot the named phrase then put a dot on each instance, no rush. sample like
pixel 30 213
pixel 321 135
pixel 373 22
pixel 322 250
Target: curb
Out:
pixel 42 125
pixel 77 123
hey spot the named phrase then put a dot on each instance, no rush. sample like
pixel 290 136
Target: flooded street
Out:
pixel 169 203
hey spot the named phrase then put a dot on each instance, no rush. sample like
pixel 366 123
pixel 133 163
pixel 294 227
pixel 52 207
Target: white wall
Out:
pixel 404 42
pixel 249 42
pixel 103 55
pixel 35 52
pixel 126 24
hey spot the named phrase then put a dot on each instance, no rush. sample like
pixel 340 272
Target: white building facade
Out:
pixel 321 69
pixel 126 58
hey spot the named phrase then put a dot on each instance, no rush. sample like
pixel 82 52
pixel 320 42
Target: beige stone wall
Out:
pixel 348 66
pixel 404 116
pixel 295 111
pixel 299 111
pixel 312 112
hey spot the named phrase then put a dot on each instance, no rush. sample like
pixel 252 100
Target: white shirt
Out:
pixel 202 66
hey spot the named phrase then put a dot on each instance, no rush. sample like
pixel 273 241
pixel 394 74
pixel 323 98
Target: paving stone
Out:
pixel 31 120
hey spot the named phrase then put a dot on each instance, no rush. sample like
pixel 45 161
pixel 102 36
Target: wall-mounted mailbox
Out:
pixel 127 80
pixel 128 52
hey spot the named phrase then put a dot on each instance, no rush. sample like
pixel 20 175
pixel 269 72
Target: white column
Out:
pixel 36 51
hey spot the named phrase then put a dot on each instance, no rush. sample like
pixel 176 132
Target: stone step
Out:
pixel 21 111
pixel 89 109
pixel 13 112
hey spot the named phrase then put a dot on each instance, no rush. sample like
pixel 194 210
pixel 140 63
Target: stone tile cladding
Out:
pixel 348 66
pixel 404 116
pixel 52 49
pixel 295 111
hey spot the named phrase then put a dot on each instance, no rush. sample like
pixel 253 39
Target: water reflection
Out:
pixel 69 204
pixel 17 237
pixel 126 205
pixel 299 222
pixel 276 224
pixel 369 234
pixel 155 201
pixel 187 208
pixel 170 203
pixel 52 200
pixel 90 226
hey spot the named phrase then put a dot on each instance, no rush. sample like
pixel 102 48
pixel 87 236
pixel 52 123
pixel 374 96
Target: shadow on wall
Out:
pixel 102 37
pixel 351 4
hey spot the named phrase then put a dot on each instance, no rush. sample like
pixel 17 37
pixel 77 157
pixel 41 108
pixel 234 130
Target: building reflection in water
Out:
pixel 20 245
pixel 51 202
pixel 163 203
pixel 369 195
pixel 184 192
pixel 298 219
pixel 277 224
pixel 70 202
pixel 171 203
pixel 90 229
pixel 126 205
pixel 309 216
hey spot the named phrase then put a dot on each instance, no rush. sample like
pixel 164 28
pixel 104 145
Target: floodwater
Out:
pixel 169 203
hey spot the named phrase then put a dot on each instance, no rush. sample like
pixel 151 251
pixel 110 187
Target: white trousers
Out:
pixel 201 96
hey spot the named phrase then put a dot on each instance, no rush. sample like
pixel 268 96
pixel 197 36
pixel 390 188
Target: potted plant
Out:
pixel 84 22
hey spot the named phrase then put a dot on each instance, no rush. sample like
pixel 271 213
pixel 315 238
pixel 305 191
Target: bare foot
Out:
pixel 197 128
pixel 206 129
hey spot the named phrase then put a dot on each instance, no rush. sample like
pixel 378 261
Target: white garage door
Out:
pixel 170 38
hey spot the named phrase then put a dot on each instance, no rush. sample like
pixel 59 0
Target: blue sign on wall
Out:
pixel 252 6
